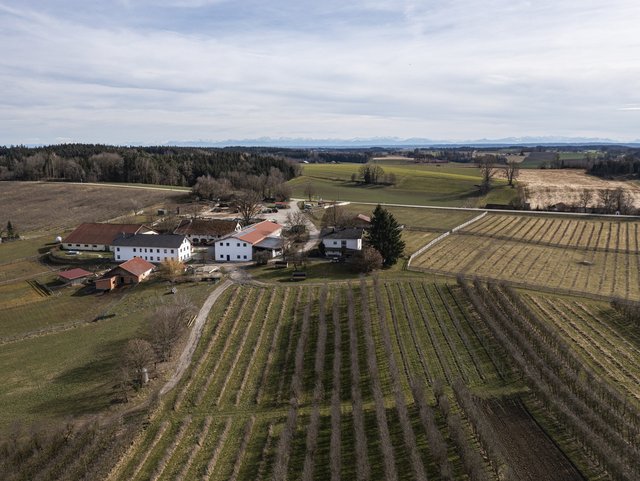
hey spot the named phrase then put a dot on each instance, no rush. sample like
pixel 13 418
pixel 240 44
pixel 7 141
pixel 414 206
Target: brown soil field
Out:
pixel 549 187
pixel 54 207
pixel 531 453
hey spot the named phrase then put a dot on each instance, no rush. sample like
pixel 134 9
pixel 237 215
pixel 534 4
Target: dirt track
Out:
pixel 531 453
pixel 549 187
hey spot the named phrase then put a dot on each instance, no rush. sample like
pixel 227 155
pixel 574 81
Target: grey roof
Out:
pixel 346 234
pixel 172 241
pixel 270 243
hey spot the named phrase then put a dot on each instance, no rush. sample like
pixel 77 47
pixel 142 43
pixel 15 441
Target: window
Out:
pixel 158 251
pixel 145 258
pixel 77 245
pixel 134 249
pixel 165 251
pixel 86 245
pixel 227 244
pixel 244 244
pixel 118 256
pixel 95 246
pixel 245 257
pixel 344 243
pixel 238 256
pixel 238 244
pixel 118 249
pixel 335 243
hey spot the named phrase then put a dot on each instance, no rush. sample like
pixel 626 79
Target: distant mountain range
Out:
pixel 398 142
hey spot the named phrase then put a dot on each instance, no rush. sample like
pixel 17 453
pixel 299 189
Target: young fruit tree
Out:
pixel 385 236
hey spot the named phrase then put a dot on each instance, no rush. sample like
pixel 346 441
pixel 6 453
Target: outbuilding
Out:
pixel 130 272
pixel 74 277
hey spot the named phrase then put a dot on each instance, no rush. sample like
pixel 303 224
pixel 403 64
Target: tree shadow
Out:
pixel 90 385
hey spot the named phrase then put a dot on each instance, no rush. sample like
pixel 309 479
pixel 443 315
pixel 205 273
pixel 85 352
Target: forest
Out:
pixel 179 166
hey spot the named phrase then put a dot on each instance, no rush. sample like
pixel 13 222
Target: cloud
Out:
pixel 126 71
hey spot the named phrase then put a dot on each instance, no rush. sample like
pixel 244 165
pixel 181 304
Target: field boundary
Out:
pixel 518 284
pixel 443 236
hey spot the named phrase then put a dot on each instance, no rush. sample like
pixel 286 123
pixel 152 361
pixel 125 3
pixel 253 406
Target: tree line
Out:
pixel 179 166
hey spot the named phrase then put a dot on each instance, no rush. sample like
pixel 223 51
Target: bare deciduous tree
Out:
pixel 367 260
pixel 309 190
pixel 585 198
pixel 167 325
pixel 171 269
pixel 137 354
pixel 487 166
pixel 511 170
pixel 248 204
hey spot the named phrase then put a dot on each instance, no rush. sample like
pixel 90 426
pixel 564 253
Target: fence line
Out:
pixel 442 236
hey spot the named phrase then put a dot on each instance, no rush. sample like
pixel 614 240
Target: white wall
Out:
pixel 336 244
pixel 236 250
pixel 84 247
pixel 154 254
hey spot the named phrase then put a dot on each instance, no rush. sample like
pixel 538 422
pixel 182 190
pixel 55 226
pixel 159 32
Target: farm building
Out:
pixel 204 231
pixel 153 248
pixel 74 277
pixel 130 272
pixel 343 242
pixel 94 236
pixel 241 246
pixel 362 221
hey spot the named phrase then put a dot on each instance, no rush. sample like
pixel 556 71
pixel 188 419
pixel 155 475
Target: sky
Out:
pixel 135 72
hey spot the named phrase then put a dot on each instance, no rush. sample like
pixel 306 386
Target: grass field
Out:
pixel 314 382
pixel 56 362
pixel 421 184
pixel 575 255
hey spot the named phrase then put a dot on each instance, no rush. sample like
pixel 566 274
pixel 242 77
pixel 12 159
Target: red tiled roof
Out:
pixel 72 274
pixel 255 233
pixel 98 233
pixel 136 266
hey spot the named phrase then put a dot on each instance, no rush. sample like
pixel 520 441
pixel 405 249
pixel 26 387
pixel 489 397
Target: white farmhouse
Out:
pixel 152 248
pixel 343 242
pixel 241 246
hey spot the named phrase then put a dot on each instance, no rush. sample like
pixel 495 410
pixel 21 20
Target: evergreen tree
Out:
pixel 385 236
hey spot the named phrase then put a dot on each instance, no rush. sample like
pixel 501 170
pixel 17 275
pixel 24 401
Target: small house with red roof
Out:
pixel 130 272
pixel 74 277
pixel 241 246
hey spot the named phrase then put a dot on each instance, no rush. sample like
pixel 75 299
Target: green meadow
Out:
pixel 421 184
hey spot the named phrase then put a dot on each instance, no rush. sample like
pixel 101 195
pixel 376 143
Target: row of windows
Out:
pixel 244 244
pixel 222 257
pixel 145 250
pixel 86 245
pixel 151 258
